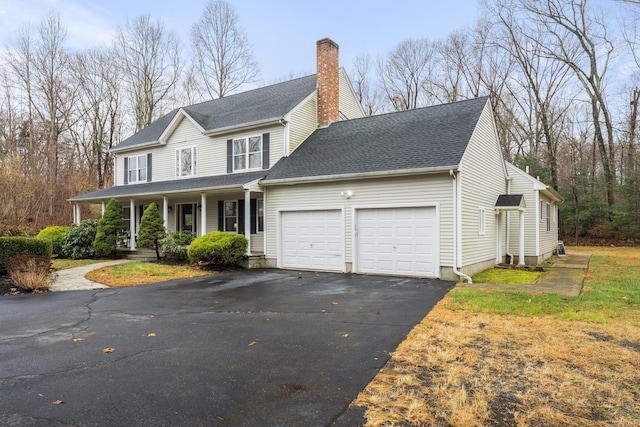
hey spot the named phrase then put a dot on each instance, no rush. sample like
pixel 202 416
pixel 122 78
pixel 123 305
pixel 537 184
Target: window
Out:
pixel 548 217
pixel 186 161
pixel 137 169
pixel 481 220
pixel 260 215
pixel 247 153
pixel 231 216
pixel 541 210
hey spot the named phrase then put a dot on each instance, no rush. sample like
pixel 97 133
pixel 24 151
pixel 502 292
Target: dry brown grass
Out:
pixel 459 368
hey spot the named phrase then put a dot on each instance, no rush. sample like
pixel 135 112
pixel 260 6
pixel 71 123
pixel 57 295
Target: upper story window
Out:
pixel 186 161
pixel 137 169
pixel 247 153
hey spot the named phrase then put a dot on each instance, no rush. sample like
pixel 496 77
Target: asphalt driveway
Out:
pixel 251 348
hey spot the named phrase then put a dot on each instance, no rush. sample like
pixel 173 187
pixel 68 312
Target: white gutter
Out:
pixel 135 147
pixel 343 177
pixel 457 228
pixel 243 127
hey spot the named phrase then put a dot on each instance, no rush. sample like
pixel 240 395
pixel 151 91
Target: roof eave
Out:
pixel 116 150
pixel 353 176
pixel 243 126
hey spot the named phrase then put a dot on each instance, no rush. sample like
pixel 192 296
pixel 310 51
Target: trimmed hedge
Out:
pixel 219 249
pixel 56 234
pixel 13 246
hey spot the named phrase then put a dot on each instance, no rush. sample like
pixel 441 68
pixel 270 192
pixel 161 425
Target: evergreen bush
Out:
pixel 219 249
pixel 13 246
pixel 110 229
pixel 78 243
pixel 151 229
pixel 175 245
pixel 56 234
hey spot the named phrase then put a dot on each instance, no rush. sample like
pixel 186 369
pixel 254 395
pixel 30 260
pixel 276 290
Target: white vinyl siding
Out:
pixel 379 192
pixel 349 105
pixel 302 123
pixel 211 151
pixel 479 188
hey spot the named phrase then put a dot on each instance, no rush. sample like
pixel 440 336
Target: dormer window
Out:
pixel 186 161
pixel 247 153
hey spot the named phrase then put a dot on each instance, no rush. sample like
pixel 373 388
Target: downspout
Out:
pixel 455 228
pixel 508 220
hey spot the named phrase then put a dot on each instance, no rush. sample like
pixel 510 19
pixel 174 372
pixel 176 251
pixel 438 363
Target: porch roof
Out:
pixel 227 181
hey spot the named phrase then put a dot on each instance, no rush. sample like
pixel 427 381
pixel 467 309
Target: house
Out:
pixel 315 185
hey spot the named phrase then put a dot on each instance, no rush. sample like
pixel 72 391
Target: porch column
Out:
pixel 203 214
pixel 102 211
pixel 76 214
pixel 132 224
pixel 165 212
pixel 521 257
pixel 247 219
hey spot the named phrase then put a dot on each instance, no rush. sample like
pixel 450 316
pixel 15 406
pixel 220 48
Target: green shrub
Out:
pixel 218 249
pixel 78 243
pixel 56 234
pixel 13 246
pixel 151 229
pixel 176 243
pixel 30 272
pixel 110 229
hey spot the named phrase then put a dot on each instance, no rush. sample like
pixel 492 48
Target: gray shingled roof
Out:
pixel 178 185
pixel 509 200
pixel 269 102
pixel 416 139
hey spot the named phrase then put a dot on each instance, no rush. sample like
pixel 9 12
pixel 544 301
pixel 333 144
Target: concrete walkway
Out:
pixel 72 279
pixel 564 277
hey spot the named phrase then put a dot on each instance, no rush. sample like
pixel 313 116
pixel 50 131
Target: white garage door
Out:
pixel 398 241
pixel 312 240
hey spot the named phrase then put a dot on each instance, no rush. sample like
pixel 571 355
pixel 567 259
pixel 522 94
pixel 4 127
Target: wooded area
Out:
pixel 562 76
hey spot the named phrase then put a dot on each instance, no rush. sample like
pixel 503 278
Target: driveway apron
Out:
pixel 248 348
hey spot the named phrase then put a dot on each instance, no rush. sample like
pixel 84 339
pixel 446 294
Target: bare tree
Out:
pixel 538 85
pixel 222 52
pixel 404 74
pixel 579 38
pixel 98 125
pixel 41 64
pixel 149 58
pixel 361 76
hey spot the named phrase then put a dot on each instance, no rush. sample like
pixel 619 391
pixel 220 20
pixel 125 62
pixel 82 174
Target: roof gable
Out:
pixel 424 138
pixel 266 103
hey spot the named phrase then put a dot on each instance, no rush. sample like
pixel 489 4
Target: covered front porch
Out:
pixel 232 207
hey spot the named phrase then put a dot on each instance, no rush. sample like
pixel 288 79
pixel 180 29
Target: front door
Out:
pixel 187 217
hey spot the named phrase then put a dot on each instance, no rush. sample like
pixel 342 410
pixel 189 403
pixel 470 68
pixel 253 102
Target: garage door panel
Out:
pixel 399 241
pixel 312 240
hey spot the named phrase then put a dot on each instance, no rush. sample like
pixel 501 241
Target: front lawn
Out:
pixel 485 358
pixel 142 273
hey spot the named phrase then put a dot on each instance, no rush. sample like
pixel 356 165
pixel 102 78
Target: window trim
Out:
pixel 259 216
pixel 138 169
pixel 224 216
pixel 194 162
pixel 247 153
pixel 482 221
pixel 548 218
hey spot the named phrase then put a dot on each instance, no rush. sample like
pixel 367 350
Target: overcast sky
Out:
pixel 282 32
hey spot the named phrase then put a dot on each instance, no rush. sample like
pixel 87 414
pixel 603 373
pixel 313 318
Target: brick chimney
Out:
pixel 328 82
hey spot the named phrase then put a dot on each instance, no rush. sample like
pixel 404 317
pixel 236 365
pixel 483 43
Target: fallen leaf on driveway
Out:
pixel 378 312
pixel 345 335
pixel 152 334
pixel 109 350
pixel 334 302
pixel 78 339
pixel 57 402
pixel 252 343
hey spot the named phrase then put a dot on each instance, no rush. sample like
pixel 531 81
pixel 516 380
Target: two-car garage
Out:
pixel 398 240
